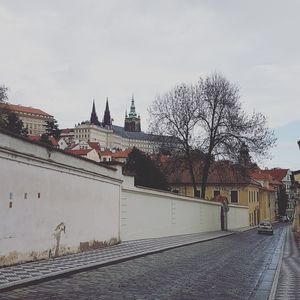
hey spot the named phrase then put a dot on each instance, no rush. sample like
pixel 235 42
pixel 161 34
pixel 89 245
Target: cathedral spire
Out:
pixel 107 118
pixel 132 112
pixel 94 118
pixel 132 120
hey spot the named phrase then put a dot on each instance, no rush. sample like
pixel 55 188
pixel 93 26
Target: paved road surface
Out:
pixel 289 278
pixel 226 268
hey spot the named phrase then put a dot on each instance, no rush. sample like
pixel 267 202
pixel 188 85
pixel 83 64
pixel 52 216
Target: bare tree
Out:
pixel 225 126
pixel 208 116
pixel 174 114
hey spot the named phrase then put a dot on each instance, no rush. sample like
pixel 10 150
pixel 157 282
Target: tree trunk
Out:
pixel 191 171
pixel 205 176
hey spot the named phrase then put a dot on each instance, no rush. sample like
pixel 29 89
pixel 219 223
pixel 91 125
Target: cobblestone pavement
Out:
pixel 288 287
pixel 29 272
pixel 227 268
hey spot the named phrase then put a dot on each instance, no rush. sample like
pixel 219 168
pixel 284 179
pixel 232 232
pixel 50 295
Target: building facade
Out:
pixel 115 137
pixel 34 119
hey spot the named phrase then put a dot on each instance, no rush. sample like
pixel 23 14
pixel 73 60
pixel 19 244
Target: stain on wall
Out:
pixel 60 228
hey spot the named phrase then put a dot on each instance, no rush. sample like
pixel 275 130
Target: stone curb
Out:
pixel 276 276
pixel 269 279
pixel 71 271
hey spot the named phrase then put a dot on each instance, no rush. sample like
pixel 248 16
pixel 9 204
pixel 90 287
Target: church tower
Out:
pixel 132 120
pixel 94 118
pixel 107 121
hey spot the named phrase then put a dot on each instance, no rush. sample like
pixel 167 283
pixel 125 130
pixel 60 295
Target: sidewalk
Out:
pixel 27 273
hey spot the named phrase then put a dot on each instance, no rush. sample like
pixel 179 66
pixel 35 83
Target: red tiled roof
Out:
pixel 261 175
pixel 221 173
pixel 264 175
pixel 106 153
pixel 25 109
pixel 80 151
pixel 117 154
pixel 67 130
pixel 122 154
pixel 37 138
pixel 278 173
pixel 94 145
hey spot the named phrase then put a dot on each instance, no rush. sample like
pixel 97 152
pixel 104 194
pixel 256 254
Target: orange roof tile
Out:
pixel 94 145
pixel 278 173
pixel 221 173
pixel 25 109
pixel 37 138
pixel 117 154
pixel 265 175
pixel 80 151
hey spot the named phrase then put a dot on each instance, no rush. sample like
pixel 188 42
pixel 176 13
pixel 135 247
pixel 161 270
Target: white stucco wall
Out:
pixel 45 193
pixel 237 217
pixel 147 213
pixel 47 188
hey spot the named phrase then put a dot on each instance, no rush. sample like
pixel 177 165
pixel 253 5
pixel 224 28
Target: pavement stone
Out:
pixel 35 271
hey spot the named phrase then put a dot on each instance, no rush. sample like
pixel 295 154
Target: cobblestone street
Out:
pixel 225 268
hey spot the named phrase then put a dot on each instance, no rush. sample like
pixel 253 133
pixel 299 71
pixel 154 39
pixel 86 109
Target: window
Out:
pixel 10 196
pixel 234 196
pixel 39 195
pixel 216 193
pixel 25 195
pixel 10 204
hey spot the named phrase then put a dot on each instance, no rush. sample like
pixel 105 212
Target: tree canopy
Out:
pixel 282 200
pixel 208 116
pixel 8 119
pixel 145 171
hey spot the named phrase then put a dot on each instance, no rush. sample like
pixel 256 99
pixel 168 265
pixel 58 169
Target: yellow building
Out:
pixel 33 119
pixel 267 194
pixel 224 179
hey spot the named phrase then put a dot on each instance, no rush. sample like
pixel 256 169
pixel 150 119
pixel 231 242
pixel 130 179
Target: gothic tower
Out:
pixel 107 121
pixel 94 118
pixel 132 120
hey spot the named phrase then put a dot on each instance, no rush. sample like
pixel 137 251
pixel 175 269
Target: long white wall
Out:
pixel 237 217
pixel 147 213
pixel 49 199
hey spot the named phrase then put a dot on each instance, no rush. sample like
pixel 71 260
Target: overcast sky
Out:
pixel 59 55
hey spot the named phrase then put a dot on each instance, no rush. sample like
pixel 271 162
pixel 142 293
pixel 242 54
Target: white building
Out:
pixel 115 137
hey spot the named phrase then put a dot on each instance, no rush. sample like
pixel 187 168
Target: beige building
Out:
pixel 33 119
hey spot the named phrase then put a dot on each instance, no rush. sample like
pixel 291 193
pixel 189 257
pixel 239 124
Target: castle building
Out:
pixel 110 136
pixel 34 119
